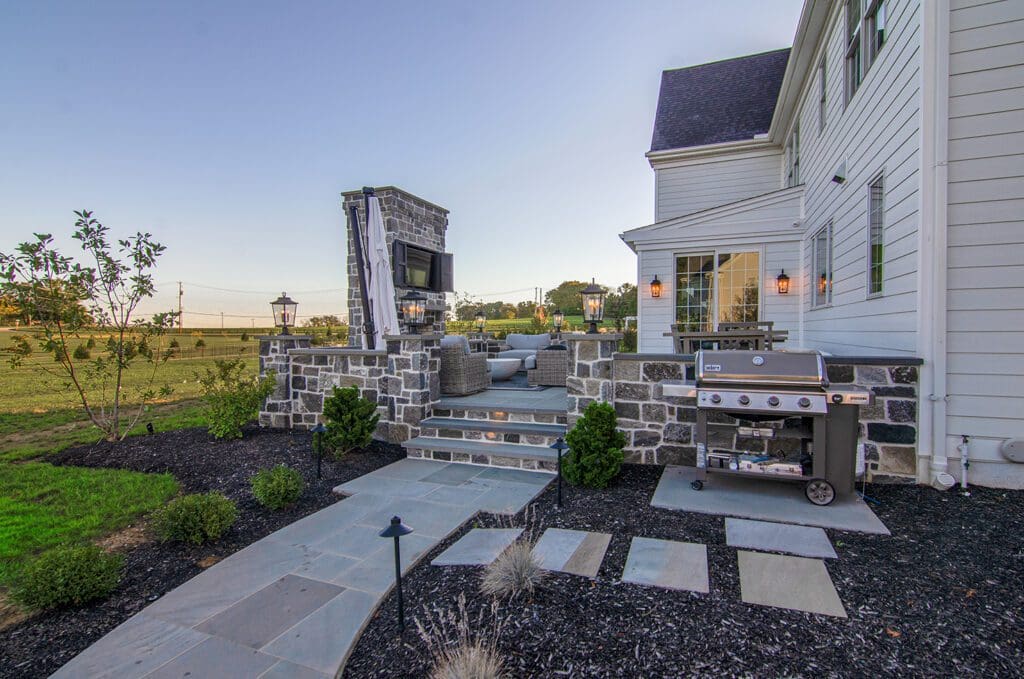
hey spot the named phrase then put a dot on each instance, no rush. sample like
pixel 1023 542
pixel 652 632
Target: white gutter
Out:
pixel 932 265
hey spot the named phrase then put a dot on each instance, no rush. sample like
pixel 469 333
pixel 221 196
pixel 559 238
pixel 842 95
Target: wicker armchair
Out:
pixel 461 371
pixel 552 369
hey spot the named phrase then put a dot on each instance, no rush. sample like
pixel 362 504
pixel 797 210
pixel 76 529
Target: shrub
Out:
pixel 245 337
pixel 231 398
pixel 515 570
pixel 195 518
pixel 68 576
pixel 81 353
pixel 350 420
pixel 174 344
pixel 200 343
pixel 278 487
pixel 595 448
pixel 91 343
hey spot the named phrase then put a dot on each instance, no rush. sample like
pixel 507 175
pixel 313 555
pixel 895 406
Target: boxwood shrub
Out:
pixel 68 576
pixel 278 487
pixel 195 518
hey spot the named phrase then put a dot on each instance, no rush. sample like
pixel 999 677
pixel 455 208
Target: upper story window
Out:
pixel 793 158
pixel 865 35
pixel 821 270
pixel 876 234
pixel 822 93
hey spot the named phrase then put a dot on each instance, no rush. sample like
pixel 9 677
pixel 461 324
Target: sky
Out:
pixel 229 129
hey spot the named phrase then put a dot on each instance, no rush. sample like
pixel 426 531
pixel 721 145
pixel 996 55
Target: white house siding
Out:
pixel 985 375
pixel 876 132
pixel 685 187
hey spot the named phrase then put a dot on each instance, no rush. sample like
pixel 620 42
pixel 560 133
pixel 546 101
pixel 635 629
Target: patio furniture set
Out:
pixel 752 335
pixel 470 365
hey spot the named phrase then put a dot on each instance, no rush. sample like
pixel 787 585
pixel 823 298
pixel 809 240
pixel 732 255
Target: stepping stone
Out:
pixel 778 537
pixel 478 547
pixel 791 582
pixel 668 564
pixel 572 551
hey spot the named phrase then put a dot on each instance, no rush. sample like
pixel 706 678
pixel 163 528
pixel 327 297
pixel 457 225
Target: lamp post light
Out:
pixel 481 321
pixel 782 283
pixel 414 309
pixel 559 446
pixel 284 312
pixel 396 530
pixel 557 319
pixel 318 444
pixel 593 305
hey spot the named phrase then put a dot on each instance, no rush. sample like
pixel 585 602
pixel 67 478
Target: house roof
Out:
pixel 723 101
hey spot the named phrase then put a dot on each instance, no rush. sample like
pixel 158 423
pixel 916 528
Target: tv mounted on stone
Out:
pixel 422 269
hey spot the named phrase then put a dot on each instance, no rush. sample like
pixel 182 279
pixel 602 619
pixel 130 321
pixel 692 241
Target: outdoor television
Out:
pixel 420 268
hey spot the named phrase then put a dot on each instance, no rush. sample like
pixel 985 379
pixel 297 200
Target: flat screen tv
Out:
pixel 420 268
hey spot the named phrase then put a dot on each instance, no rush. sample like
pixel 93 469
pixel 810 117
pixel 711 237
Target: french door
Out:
pixel 717 287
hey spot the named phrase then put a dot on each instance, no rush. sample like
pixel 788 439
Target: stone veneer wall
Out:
pixel 402 379
pixel 407 218
pixel 660 429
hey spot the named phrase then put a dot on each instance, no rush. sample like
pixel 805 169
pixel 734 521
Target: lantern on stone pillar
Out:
pixel 414 310
pixel 593 305
pixel 284 312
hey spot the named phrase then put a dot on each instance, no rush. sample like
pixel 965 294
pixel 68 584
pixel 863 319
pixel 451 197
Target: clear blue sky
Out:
pixel 228 129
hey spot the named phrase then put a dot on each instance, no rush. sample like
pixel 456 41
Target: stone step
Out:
pixel 552 431
pixel 482 452
pixel 453 409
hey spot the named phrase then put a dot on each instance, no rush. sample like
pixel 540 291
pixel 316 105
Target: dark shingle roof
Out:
pixel 723 101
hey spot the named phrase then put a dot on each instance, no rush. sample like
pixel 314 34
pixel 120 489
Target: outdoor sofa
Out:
pixel 524 346
pixel 462 372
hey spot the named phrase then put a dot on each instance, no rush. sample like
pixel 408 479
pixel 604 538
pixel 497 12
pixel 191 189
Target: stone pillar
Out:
pixel 413 382
pixel 590 371
pixel 277 409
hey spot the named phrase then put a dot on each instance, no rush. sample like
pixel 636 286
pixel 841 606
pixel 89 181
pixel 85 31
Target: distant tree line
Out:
pixel 619 304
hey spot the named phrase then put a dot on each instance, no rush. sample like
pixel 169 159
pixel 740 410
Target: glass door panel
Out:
pixel 739 287
pixel 694 292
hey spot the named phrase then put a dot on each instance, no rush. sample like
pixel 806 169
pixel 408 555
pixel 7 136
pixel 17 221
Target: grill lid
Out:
pixel 783 368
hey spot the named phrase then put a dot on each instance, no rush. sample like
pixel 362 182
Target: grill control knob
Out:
pixel 744 400
pixel 716 398
pixel 837 398
pixel 804 402
pixel 773 401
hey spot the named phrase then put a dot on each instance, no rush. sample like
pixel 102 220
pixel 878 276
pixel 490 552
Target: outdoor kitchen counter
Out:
pixel 829 360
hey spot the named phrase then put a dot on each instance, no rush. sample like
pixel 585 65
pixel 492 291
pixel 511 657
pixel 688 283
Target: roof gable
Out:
pixel 723 101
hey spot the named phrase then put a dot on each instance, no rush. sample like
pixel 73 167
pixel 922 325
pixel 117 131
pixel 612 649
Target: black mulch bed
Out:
pixel 941 597
pixel 39 646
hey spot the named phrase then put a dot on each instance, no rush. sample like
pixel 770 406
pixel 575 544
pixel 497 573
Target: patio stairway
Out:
pixel 501 436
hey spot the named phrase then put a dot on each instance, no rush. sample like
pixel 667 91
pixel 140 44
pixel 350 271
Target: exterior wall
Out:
pixel 685 187
pixel 407 218
pixel 985 237
pixel 878 131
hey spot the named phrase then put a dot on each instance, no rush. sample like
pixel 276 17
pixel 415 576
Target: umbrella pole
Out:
pixel 368 332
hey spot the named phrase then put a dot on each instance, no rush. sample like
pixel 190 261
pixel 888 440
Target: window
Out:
pixel 821 95
pixel 865 35
pixel 821 256
pixel 876 234
pixel 793 158
pixel 713 288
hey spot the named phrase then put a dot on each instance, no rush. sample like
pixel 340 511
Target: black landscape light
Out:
pixel 284 312
pixel 318 444
pixel 414 309
pixel 149 427
pixel 558 318
pixel 481 321
pixel 559 446
pixel 396 530
pixel 593 305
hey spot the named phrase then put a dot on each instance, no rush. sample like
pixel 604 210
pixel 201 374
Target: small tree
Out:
pixel 595 447
pixel 201 346
pixel 232 398
pixel 65 297
pixel 350 420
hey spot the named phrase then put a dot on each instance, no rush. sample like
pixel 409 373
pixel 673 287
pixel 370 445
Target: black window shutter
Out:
pixel 398 265
pixel 447 282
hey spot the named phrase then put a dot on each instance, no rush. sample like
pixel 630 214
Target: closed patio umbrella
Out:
pixel 381 284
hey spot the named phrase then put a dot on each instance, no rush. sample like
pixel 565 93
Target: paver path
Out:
pixel 293 603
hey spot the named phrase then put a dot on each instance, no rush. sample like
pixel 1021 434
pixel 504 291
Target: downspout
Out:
pixel 932 255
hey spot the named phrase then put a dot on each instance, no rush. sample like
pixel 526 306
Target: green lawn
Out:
pixel 42 506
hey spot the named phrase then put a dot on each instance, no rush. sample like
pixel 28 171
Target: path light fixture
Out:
pixel 318 444
pixel 656 287
pixel 284 312
pixel 414 310
pixel 559 446
pixel 593 305
pixel 481 321
pixel 782 283
pixel 396 530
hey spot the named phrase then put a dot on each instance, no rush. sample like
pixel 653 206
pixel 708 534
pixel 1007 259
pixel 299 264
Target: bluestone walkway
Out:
pixel 293 603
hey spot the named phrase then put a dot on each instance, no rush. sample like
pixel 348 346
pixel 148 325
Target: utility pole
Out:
pixel 180 293
pixel 222 322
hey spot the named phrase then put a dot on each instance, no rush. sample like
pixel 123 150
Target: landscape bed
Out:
pixel 40 645
pixel 940 597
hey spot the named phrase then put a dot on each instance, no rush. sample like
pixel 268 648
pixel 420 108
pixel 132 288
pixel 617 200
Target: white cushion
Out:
pixel 530 362
pixel 534 342
pixel 456 341
pixel 517 353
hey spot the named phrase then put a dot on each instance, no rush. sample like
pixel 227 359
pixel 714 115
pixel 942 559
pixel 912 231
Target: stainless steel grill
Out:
pixel 773 414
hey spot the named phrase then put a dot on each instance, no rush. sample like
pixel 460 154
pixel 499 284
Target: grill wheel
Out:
pixel 820 492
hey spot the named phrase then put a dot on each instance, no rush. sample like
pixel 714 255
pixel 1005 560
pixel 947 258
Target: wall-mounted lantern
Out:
pixel 481 321
pixel 284 312
pixel 414 310
pixel 656 287
pixel 782 283
pixel 593 305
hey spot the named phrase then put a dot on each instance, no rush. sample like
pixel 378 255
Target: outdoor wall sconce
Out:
pixel 782 283
pixel 284 312
pixel 593 305
pixel 414 309
pixel 557 319
pixel 481 321
pixel 396 530
pixel 656 287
